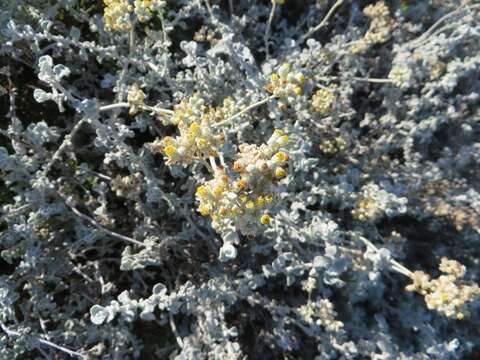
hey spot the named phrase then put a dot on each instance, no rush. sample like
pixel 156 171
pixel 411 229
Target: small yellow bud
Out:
pixel 280 172
pixel 194 127
pixel 260 201
pixel 243 198
pixel 203 209
pixel 169 150
pixel 444 298
pixel 297 90
pixel 281 156
pixel 265 219
pixel 274 77
pixel 460 316
pixel 234 210
pixel 269 198
pixel 250 204
pixel 241 184
pixel 278 132
pixel 300 77
pixel 201 191
pixel 283 140
pixel 218 190
pixel 201 143
pixel 189 111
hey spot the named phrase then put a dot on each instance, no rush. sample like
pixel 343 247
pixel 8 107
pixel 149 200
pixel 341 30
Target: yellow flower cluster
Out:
pixel 127 186
pixel 333 146
pixel 143 9
pixel 260 167
pixel 228 205
pixel 322 101
pixel 380 30
pixel 448 294
pixel 135 98
pixel 322 313
pixel 243 200
pixel 199 138
pixel 366 209
pixel 205 34
pixel 117 12
pixel 400 76
pixel 286 84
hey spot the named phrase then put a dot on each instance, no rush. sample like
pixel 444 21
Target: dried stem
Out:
pixel 96 224
pixel 240 113
pixel 12 333
pixel 322 23
pixel 267 30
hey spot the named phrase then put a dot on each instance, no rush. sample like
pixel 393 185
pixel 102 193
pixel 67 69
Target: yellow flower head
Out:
pixel 280 172
pixel 284 140
pixel 203 209
pixel 169 150
pixel 194 128
pixel 265 219
pixel 241 184
pixel 218 190
pixel 201 143
pixel 201 191
pixel 260 201
pixel 281 156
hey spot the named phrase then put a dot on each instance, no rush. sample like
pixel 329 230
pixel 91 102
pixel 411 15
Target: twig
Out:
pixel 240 113
pixel 206 164
pixel 96 224
pixel 322 23
pixel 120 105
pixel 157 109
pixel 355 78
pixel 222 160
pixel 175 332
pixel 66 142
pixel 439 21
pixel 373 80
pixel 12 333
pixel 213 163
pixel 210 12
pixel 267 30
pixel 114 106
pixel 395 264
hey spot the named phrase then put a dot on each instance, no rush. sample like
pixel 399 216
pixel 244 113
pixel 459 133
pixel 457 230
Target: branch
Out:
pixel 12 333
pixel 323 23
pixel 267 30
pixel 396 266
pixel 240 113
pixel 96 223
pixel 66 142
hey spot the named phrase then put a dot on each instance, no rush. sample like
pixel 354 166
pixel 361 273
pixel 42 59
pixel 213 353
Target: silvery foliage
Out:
pixel 70 272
